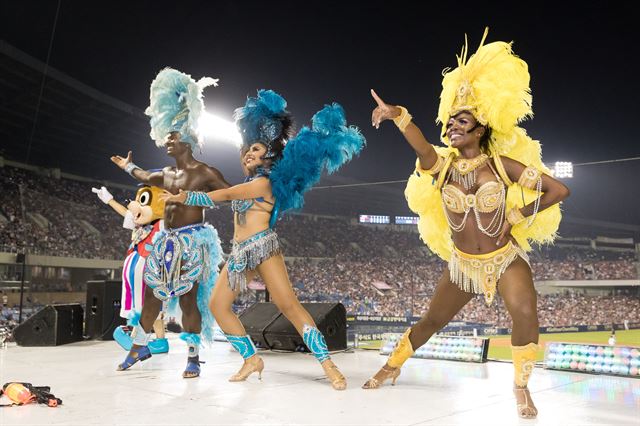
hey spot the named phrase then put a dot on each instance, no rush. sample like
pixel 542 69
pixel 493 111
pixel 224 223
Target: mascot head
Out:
pixel 147 207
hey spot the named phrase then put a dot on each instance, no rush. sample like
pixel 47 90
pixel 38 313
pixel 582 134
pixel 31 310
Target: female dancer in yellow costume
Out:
pixel 481 200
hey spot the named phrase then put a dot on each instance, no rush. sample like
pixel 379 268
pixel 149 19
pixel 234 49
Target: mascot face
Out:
pixel 147 206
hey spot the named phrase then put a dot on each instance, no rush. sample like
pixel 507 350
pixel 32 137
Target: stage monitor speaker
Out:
pixel 102 314
pixel 268 328
pixel 52 325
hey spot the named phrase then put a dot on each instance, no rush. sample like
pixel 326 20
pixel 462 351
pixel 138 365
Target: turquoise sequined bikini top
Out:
pixel 241 206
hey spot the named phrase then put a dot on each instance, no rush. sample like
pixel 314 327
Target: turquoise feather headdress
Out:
pixel 176 105
pixel 265 119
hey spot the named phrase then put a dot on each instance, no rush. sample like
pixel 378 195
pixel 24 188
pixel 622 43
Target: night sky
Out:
pixel 579 55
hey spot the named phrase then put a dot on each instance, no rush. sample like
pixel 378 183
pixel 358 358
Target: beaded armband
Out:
pixel 529 177
pixel 436 168
pixel 403 120
pixel 198 198
pixel 515 216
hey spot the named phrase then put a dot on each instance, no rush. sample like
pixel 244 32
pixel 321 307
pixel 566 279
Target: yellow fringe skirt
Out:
pixel 479 273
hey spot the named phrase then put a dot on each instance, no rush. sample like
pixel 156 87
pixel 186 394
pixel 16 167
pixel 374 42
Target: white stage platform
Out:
pixel 293 391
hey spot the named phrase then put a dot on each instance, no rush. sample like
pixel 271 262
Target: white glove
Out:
pixel 128 222
pixel 104 195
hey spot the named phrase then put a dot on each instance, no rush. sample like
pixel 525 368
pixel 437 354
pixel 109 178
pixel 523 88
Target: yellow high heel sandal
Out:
pixel 250 366
pixel 337 380
pixel 383 374
pixel 525 410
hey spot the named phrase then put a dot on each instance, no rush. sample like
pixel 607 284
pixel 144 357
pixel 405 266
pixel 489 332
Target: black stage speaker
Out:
pixel 102 314
pixel 52 325
pixel 268 328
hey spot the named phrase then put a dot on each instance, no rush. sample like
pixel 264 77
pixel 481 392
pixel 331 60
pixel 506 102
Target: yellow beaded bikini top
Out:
pixel 489 198
pixel 486 199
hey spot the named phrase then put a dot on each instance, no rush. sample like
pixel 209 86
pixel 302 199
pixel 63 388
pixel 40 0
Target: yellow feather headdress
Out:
pixel 493 85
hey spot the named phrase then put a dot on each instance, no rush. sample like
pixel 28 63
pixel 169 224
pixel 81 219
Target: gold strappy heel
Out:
pixel 250 366
pixel 526 410
pixel 337 380
pixel 383 374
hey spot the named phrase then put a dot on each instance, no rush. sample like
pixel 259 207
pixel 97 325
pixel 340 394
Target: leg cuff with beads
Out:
pixel 402 352
pixel 243 344
pixel 524 359
pixel 315 342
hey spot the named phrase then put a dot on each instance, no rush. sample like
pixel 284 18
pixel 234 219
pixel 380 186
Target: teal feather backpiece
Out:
pixel 327 145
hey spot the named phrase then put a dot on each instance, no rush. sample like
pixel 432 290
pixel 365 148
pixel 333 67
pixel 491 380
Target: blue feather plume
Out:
pixel 264 119
pixel 175 105
pixel 328 144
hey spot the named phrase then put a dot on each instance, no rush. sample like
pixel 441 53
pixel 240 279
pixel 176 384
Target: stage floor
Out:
pixel 293 391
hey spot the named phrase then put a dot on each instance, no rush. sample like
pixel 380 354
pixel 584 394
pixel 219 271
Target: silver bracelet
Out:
pixel 130 167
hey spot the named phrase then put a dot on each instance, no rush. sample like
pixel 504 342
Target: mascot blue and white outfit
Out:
pixel 181 257
pixel 297 165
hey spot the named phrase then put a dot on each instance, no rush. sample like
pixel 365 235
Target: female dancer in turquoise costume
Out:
pixel 277 177
pixel 185 257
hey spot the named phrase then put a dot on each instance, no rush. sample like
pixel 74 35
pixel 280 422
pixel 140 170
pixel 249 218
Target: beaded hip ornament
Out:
pixel 464 171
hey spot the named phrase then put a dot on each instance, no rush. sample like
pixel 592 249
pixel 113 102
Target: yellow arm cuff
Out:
pixel 529 177
pixel 403 120
pixel 436 168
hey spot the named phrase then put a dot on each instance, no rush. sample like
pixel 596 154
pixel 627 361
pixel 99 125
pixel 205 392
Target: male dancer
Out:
pixel 184 261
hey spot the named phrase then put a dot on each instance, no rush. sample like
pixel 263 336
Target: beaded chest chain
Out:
pixel 464 171
pixel 490 197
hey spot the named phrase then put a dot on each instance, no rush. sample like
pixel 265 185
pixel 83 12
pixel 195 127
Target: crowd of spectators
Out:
pixel 413 282
pixel 332 259
pixel 57 217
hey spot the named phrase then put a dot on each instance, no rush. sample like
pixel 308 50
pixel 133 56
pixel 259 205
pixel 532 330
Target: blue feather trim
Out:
pixel 191 338
pixel 208 236
pixel 328 144
pixel 134 319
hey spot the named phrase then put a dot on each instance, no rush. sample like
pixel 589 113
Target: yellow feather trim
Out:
pixel 425 199
pixel 544 228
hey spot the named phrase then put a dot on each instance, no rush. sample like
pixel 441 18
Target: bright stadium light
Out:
pixel 563 169
pixel 219 128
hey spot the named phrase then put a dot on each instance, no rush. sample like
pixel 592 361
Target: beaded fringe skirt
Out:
pixel 248 254
pixel 479 273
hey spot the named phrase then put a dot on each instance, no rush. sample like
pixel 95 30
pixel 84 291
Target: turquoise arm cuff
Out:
pixel 198 198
